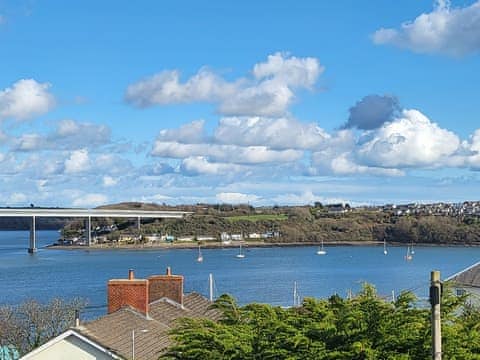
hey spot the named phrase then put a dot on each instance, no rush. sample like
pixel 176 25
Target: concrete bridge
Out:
pixel 87 214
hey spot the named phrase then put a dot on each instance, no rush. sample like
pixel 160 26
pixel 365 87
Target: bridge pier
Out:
pixel 139 222
pixel 32 246
pixel 89 231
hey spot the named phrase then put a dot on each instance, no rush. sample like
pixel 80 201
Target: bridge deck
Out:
pixel 12 212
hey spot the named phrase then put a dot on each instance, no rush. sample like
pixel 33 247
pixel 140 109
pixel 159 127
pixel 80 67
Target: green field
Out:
pixel 259 217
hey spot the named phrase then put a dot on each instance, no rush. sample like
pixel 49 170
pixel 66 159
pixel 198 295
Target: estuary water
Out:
pixel 265 275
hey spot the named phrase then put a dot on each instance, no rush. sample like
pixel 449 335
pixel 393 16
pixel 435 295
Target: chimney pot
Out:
pixel 169 271
pixel 131 275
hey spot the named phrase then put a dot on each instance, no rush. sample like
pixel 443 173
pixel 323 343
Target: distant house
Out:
pixel 206 238
pixel 186 238
pixel 141 313
pixel 467 282
pixel 338 208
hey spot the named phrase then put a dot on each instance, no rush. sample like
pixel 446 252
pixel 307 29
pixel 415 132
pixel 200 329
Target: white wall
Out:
pixel 71 348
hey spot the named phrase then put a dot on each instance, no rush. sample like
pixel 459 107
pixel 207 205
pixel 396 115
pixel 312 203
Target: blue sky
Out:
pixel 261 102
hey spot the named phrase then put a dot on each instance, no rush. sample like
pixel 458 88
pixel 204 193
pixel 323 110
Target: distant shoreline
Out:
pixel 247 244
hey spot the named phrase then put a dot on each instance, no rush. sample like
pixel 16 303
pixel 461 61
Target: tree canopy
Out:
pixel 28 325
pixel 363 327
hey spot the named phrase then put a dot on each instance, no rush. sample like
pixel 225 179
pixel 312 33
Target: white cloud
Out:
pixel 292 71
pixel 268 93
pixel 74 134
pixel 69 135
pixel 90 200
pixel 17 198
pixel 199 165
pixel 409 141
pixel 192 132
pixel 25 99
pixel 109 181
pixel 29 142
pixel 230 153
pixel 277 133
pixel 236 198
pixel 475 141
pixel 452 31
pixel 77 162
pixel 306 197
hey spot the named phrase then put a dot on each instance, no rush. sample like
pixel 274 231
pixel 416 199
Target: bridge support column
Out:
pixel 32 246
pixel 139 222
pixel 89 231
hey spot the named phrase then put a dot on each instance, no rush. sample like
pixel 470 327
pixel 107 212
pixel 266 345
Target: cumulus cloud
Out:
pixel 68 135
pixel 200 165
pixel 29 142
pixel 75 133
pixel 159 168
pixel 192 132
pixel 231 153
pixel 412 140
pixel 90 200
pixel 372 112
pixel 236 198
pixel 108 181
pixel 277 133
pixel 25 99
pixel 306 197
pixel 77 162
pixel 268 93
pixel 447 30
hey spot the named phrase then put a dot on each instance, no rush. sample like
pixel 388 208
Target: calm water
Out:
pixel 264 275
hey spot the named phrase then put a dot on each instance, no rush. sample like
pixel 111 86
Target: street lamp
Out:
pixel 133 341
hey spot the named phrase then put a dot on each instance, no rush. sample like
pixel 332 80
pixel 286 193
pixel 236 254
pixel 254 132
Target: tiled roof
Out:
pixel 114 330
pixel 467 277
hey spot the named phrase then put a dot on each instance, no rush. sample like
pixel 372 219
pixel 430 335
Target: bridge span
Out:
pixel 88 214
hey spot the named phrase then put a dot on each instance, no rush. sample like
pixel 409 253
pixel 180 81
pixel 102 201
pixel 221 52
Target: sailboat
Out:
pixel 321 250
pixel 200 256
pixel 385 252
pixel 408 256
pixel 411 249
pixel 240 254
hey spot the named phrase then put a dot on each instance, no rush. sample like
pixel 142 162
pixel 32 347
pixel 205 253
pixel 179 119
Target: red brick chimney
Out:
pixel 131 291
pixel 169 286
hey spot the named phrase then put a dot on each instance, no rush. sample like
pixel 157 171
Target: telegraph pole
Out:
pixel 435 295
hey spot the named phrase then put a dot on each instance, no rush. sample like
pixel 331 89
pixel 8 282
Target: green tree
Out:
pixel 364 327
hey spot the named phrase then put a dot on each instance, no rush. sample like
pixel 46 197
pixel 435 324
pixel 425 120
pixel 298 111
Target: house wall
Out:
pixel 473 294
pixel 71 348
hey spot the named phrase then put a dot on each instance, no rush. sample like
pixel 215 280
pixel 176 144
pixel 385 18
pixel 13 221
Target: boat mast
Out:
pixel 210 286
pixel 294 293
